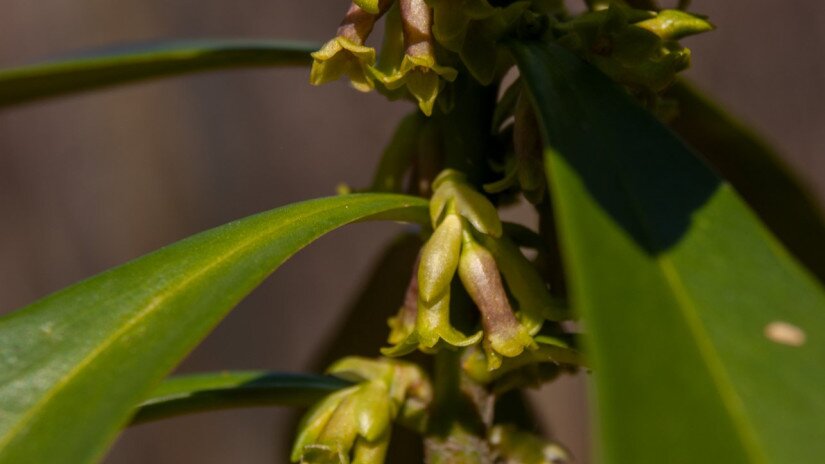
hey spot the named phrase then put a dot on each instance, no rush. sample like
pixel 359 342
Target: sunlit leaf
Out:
pixel 74 364
pixel 781 197
pixel 187 394
pixel 705 336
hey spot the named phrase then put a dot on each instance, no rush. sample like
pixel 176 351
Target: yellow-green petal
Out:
pixel 341 57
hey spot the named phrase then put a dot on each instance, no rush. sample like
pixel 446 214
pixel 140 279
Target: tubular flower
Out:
pixel 354 425
pixel 503 334
pixel 418 69
pixel 346 54
pixel 636 48
pixel 436 268
pixel 460 215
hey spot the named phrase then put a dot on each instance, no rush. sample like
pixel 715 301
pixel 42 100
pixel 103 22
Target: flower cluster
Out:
pixel 637 48
pixel 408 59
pixel 417 32
pixel 468 241
pixel 354 424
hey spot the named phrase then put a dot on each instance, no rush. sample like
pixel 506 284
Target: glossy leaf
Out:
pixel 705 336
pixel 144 61
pixel 780 197
pixel 73 365
pixel 194 393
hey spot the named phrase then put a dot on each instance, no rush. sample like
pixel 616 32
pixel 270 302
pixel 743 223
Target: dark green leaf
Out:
pixel 73 365
pixel 223 390
pixel 706 337
pixel 779 196
pixel 146 61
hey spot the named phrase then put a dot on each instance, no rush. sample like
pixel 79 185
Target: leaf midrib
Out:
pixel 87 360
pixel 687 308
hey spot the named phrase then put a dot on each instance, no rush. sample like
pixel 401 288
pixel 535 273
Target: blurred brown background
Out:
pixel 91 181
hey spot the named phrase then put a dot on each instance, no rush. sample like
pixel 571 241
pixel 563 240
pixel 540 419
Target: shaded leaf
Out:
pixel 74 364
pixel 194 393
pixel 144 61
pixel 780 197
pixel 680 287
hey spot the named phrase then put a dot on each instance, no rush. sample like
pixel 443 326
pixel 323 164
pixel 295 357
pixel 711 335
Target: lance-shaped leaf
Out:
pixel 187 394
pixel 144 61
pixel 705 336
pixel 74 365
pixel 781 198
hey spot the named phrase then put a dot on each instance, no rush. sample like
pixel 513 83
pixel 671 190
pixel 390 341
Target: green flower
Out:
pixel 437 266
pixel 675 25
pixel 341 57
pixel 423 78
pixel 408 58
pixel 459 214
pixel 636 48
pixel 354 425
pixel 346 54
pixel 535 305
pixel 504 335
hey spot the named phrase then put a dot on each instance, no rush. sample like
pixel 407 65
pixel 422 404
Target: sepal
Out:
pixel 341 57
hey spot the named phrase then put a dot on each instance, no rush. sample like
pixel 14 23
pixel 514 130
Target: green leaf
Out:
pixel 778 195
pixel 144 61
pixel 223 390
pixel 73 365
pixel 706 338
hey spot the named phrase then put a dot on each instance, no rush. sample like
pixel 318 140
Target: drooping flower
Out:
pixel 437 266
pixel 418 69
pixel 504 335
pixel 460 214
pixel 346 54
pixel 354 425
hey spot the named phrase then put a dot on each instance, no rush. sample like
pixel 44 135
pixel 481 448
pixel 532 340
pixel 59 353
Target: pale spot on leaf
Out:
pixel 785 333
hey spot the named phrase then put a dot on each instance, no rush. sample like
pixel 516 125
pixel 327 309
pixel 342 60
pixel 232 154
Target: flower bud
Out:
pixel 314 424
pixel 675 25
pixel 529 151
pixel 503 334
pixel 516 446
pixel 636 48
pixel 354 425
pixel 439 260
pixel 370 6
pixel 451 189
